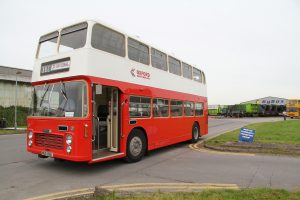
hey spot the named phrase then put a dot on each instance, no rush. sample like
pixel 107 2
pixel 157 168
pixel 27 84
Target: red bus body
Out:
pixel 159 131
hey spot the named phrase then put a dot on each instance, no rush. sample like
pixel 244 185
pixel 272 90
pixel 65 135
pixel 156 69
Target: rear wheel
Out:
pixel 136 146
pixel 195 133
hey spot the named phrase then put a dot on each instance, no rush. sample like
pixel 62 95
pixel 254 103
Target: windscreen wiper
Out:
pixel 42 99
pixel 63 91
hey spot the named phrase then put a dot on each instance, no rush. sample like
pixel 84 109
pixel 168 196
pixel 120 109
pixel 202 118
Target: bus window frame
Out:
pixel 148 117
pixel 123 35
pixel 39 44
pixel 87 40
pixel 69 118
pixel 202 109
pixel 140 43
pixel 180 65
pixel 169 114
pixel 193 108
pixel 73 31
pixel 182 109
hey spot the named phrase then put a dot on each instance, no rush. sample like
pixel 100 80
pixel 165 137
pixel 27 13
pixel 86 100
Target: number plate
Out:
pixel 47 153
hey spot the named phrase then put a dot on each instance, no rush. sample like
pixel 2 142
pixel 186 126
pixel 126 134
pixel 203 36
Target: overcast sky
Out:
pixel 248 49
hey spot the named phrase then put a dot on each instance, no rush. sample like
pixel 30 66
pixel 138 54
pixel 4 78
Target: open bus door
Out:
pixel 113 121
pixel 105 120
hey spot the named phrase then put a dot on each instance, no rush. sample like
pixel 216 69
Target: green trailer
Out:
pixel 224 111
pixel 241 110
pixel 251 110
pixel 214 110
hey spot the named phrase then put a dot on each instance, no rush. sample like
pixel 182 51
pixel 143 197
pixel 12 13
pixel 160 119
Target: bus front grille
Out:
pixel 49 140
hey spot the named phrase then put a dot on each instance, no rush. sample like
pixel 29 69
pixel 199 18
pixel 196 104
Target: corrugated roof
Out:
pixel 10 73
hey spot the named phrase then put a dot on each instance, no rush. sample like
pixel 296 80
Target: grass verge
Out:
pixel 282 137
pixel 245 194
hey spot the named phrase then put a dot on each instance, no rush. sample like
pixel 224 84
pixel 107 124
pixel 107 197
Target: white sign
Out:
pixel 56 66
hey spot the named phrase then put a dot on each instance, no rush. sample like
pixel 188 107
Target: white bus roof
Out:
pixel 93 21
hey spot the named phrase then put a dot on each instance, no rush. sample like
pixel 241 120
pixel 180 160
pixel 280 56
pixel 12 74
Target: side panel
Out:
pixel 160 132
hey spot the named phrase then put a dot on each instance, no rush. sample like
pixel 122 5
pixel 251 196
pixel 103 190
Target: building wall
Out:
pixel 7 96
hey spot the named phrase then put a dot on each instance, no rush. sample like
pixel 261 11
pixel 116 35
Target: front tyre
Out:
pixel 136 146
pixel 195 133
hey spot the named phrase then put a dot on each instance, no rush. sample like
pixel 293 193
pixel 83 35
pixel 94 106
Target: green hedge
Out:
pixel 9 114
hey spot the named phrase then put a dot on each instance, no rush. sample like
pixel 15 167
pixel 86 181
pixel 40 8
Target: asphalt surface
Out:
pixel 23 175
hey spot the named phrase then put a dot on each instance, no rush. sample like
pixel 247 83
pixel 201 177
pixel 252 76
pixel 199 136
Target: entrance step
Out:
pixel 102 155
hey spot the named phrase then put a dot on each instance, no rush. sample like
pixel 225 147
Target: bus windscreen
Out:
pixel 73 37
pixel 62 99
pixel 48 45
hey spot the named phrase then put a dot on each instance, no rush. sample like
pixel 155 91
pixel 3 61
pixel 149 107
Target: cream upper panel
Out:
pixel 92 62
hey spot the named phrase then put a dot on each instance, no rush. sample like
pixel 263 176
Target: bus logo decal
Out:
pixel 132 72
pixel 140 74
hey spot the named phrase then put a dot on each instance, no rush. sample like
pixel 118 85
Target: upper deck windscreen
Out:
pixel 48 44
pixel 73 37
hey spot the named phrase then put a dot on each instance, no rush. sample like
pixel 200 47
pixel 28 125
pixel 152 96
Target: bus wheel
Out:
pixel 136 146
pixel 195 133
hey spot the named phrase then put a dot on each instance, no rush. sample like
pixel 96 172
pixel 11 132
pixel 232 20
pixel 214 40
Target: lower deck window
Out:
pixel 160 107
pixel 188 108
pixel 139 107
pixel 176 108
pixel 199 109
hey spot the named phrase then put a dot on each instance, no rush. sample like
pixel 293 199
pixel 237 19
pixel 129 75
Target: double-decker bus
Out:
pixel 99 94
pixel 293 108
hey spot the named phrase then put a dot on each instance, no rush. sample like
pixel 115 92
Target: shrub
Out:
pixel 9 114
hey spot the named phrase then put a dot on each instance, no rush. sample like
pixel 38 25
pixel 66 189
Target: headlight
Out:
pixel 30 135
pixel 69 149
pixel 69 139
pixel 30 143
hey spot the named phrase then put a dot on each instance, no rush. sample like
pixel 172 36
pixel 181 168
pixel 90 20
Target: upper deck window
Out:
pixel 186 71
pixel 73 37
pixel 108 40
pixel 159 59
pixel 138 51
pixel 174 66
pixel 197 75
pixel 48 44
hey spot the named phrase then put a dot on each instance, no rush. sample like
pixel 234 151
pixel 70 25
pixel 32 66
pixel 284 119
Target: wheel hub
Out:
pixel 135 146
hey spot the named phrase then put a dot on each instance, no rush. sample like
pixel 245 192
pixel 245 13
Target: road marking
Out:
pixel 205 150
pixel 137 187
pixel 70 195
pixel 53 195
pixel 168 186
